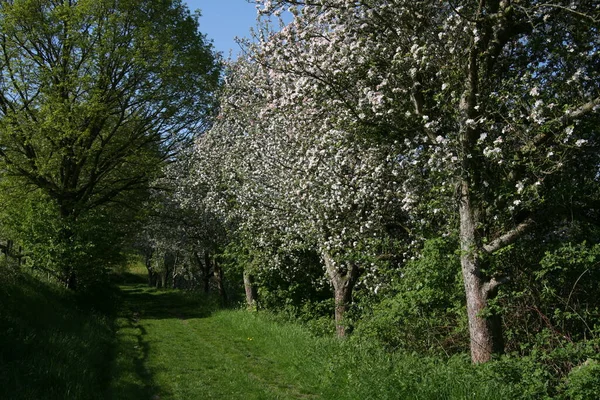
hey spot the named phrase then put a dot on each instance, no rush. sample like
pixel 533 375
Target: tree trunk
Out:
pixel 219 279
pixel 250 289
pixel 485 333
pixel 343 281
pixel 71 281
pixel 169 266
pixel 205 270
pixel 148 262
pixel 174 273
pixel 9 249
pixel 66 234
pixel 20 256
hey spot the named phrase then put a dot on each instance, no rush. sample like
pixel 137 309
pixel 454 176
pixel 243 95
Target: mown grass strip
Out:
pixel 176 346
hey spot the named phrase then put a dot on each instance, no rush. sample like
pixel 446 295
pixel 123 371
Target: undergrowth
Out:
pixel 169 344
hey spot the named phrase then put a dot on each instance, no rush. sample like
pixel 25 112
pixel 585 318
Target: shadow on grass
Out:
pixel 142 301
pixel 53 344
pixel 132 378
pixel 128 278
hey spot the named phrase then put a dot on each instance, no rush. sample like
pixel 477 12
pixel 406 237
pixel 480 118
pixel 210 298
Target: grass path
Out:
pixel 175 345
pixel 170 346
pixel 135 343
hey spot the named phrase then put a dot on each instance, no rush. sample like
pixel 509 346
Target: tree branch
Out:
pixel 572 114
pixel 509 237
pixel 492 285
pixel 582 110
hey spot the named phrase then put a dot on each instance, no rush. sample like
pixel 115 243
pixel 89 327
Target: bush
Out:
pixel 583 382
pixel 424 309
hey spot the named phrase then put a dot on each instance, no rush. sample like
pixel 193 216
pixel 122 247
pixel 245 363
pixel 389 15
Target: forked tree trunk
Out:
pixel 250 289
pixel 485 333
pixel 343 281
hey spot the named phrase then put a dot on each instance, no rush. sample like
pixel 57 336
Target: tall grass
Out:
pixel 349 369
pixel 53 344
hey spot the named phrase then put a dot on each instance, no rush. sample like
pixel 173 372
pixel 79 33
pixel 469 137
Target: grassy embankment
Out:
pixel 53 344
pixel 173 345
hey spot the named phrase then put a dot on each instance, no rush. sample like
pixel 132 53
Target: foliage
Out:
pixel 493 107
pixel 289 187
pixel 568 276
pixel 535 375
pixel 583 381
pixel 422 308
pixel 94 97
pixel 56 247
pixel 550 292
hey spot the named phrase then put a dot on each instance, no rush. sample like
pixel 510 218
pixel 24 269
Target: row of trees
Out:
pixel 368 135
pixel 390 162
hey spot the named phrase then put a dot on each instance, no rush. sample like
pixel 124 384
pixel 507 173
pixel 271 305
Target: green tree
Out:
pixel 95 95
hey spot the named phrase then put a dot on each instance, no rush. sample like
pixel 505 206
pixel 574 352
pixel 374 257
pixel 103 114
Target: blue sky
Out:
pixel 222 20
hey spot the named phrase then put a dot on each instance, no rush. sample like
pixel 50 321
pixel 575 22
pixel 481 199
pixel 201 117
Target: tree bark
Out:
pixel 343 281
pixel 485 333
pixel 174 273
pixel 206 266
pixel 250 289
pixel 148 262
pixel 219 279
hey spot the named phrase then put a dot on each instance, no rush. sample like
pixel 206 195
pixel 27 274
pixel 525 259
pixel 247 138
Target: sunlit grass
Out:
pixel 177 346
pixel 166 344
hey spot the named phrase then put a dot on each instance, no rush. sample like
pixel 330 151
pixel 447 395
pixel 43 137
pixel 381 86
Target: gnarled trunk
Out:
pixel 343 281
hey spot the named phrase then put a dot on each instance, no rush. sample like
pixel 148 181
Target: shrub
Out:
pixel 424 309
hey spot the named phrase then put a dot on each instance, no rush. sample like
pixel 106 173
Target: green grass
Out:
pixel 177 345
pixel 53 345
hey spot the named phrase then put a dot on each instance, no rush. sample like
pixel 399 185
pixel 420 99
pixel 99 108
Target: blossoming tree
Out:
pixel 495 101
pixel 300 176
